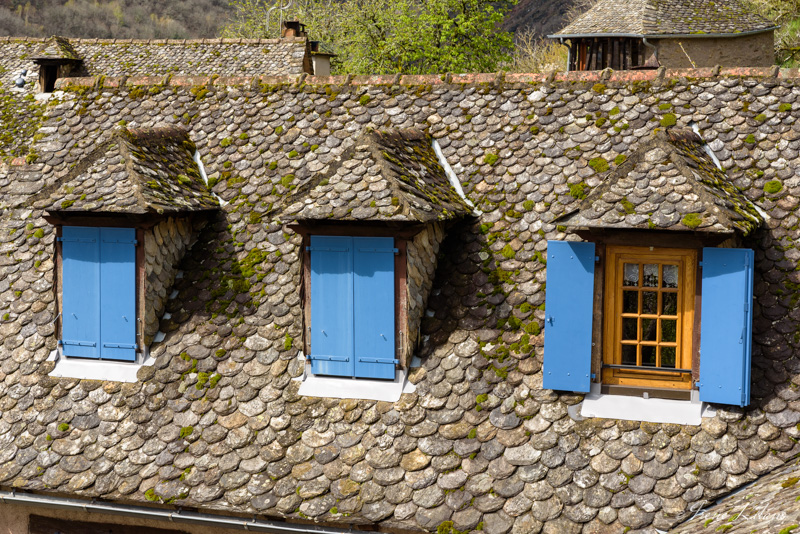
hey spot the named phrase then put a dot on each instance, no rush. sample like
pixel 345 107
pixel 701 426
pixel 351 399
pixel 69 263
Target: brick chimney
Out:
pixel 293 28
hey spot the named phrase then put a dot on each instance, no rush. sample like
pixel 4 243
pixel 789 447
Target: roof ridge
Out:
pixel 602 77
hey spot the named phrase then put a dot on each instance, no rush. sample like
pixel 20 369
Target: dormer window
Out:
pixel 371 228
pixel 56 59
pixel 623 308
pixel 124 217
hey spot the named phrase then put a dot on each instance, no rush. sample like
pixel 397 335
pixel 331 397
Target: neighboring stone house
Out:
pixel 442 304
pixel 670 33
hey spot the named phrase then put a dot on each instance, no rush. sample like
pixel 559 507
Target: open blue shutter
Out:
pixel 726 325
pixel 332 305
pixel 118 294
pixel 80 254
pixel 568 316
pixel 374 307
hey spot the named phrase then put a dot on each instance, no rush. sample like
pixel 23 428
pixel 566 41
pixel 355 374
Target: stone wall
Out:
pixel 747 51
pixel 421 253
pixel 164 245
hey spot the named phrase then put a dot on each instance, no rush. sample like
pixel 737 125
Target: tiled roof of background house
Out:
pixel 667 17
pixel 389 175
pixel 131 57
pixel 669 182
pixel 217 424
pixel 146 170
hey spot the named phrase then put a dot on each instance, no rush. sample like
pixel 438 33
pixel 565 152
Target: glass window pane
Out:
pixel 648 355
pixel 669 304
pixel 629 328
pixel 649 330
pixel 628 354
pixel 668 357
pixel 650 302
pixel 669 330
pixel 630 302
pixel 670 276
pixel 650 275
pixel 631 275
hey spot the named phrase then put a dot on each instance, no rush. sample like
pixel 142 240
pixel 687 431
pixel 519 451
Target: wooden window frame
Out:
pixel 615 256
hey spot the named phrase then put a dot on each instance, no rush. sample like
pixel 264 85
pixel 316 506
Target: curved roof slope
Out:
pixel 666 17
pixel 670 183
pixel 138 171
pixel 390 175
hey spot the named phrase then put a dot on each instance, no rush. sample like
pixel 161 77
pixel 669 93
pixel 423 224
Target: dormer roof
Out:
pixel 139 171
pixel 670 182
pixel 390 175
pixel 56 48
pixel 662 18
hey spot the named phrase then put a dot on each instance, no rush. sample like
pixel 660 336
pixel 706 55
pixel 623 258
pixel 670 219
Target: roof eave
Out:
pixel 660 35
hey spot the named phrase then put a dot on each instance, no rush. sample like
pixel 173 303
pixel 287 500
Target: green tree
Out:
pixel 393 36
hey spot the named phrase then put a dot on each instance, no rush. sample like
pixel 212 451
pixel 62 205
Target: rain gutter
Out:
pixel 142 512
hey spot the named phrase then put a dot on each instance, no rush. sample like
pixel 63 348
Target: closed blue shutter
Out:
pixel 726 325
pixel 332 306
pixel 118 294
pixel 374 307
pixel 80 254
pixel 568 316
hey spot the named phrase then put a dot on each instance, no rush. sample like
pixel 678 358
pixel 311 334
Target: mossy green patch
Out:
pixel 750 139
pixel 63 427
pixel 669 119
pixel 490 159
pixel 364 100
pixel 599 164
pixel 226 142
pixel 692 220
pixel 620 159
pixel 628 206
pixel 186 431
pixel 772 187
pixel 599 88
pixel 760 117
pixel 577 190
pixel 786 106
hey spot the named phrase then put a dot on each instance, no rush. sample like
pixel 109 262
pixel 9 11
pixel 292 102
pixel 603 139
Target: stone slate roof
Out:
pixel 146 170
pixel 661 18
pixel 389 175
pixel 216 423
pixel 56 48
pixel 669 183
pixel 132 57
pixel 768 505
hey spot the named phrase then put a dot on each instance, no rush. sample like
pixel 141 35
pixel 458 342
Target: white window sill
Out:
pixel 96 369
pixel 681 412
pixel 336 387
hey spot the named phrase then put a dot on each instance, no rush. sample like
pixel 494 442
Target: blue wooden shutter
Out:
pixel 118 294
pixel 332 306
pixel 374 307
pixel 568 316
pixel 80 311
pixel 726 325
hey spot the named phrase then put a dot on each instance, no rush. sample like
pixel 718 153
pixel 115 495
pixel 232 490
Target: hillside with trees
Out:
pixel 121 19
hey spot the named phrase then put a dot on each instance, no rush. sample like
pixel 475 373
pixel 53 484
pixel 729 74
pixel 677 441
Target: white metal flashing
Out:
pixel 641 409
pixel 203 175
pixel 97 369
pixel 451 175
